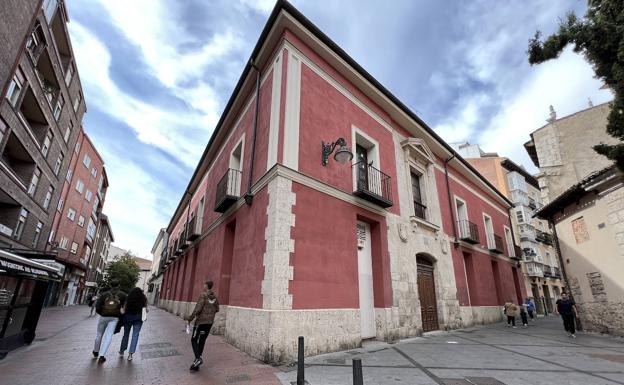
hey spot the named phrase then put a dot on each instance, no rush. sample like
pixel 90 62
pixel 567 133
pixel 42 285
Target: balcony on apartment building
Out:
pixel 9 213
pixel 548 272
pixel 517 253
pixel 372 185
pixel 543 237
pixel 527 233
pixel 47 79
pixel 420 210
pixel 194 228
pixel 17 160
pixel 495 243
pixel 532 204
pixel 468 231
pixel 228 190
pixel 534 269
pixel 556 272
pixel 32 117
pixel 62 41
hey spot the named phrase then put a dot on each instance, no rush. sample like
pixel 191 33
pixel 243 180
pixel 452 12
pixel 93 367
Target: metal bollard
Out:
pixel 300 367
pixel 358 379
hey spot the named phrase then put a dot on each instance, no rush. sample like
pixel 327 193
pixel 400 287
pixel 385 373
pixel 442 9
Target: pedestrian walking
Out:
pixel 133 317
pixel 511 310
pixel 92 301
pixel 108 306
pixel 203 314
pixel 530 306
pixel 567 308
pixel 523 315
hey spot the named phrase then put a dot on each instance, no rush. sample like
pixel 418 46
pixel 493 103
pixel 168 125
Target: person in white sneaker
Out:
pixel 203 314
pixel 567 308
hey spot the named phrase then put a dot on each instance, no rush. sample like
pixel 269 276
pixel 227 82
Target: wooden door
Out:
pixel 427 296
pixel 365 281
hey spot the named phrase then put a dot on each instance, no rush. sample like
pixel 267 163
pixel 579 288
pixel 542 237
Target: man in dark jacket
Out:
pixel 204 313
pixel 567 308
pixel 108 306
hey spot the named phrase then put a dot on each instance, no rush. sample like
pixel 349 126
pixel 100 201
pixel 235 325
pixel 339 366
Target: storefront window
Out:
pixel 25 293
pixel 7 288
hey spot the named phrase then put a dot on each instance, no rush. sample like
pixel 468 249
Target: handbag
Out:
pixel 144 314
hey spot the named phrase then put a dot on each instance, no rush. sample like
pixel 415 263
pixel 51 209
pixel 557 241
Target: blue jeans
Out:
pixel 105 329
pixel 136 329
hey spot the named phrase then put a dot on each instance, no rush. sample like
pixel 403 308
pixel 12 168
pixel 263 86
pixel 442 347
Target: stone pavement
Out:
pixel 494 354
pixel 61 354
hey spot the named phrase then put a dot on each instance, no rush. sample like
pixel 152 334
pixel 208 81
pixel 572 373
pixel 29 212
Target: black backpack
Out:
pixel 111 305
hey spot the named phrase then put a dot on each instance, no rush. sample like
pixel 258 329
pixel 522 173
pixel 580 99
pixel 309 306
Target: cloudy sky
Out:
pixel 157 74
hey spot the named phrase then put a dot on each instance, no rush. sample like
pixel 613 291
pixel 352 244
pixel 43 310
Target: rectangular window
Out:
pixel 3 129
pixel 49 8
pixel 94 172
pixel 77 101
pixel 69 74
pixel 96 202
pixel 37 235
pixel 79 186
pixel 81 221
pixel 579 228
pixel 520 215
pixel 77 148
pixel 68 177
pixel 419 208
pixel 48 197
pixel 88 196
pixel 33 182
pixel 489 231
pixel 63 243
pixel 21 222
pixel 509 240
pixel 45 148
pixel 86 161
pixel 91 230
pixel 15 88
pixel 71 214
pixel 59 207
pixel 57 165
pixel 58 107
pixel 74 248
pixel 67 134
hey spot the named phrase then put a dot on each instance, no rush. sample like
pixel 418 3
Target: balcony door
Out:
pixel 362 173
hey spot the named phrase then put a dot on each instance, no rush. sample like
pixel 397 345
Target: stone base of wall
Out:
pixel 480 315
pixel 602 317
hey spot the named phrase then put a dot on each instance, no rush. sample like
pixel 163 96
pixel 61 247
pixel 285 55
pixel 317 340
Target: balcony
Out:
pixel 372 185
pixel 495 243
pixel 194 229
pixel 420 211
pixel 547 271
pixel 17 159
pixel 532 205
pixel 556 272
pixel 543 237
pixel 468 231
pixel 228 190
pixel 32 117
pixel 534 269
pixel 517 253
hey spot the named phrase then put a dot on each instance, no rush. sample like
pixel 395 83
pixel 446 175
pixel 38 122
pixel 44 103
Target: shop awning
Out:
pixel 15 264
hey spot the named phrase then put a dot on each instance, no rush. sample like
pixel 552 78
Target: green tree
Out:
pixel 599 36
pixel 124 270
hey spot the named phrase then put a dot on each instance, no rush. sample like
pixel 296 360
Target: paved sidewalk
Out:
pixel 61 354
pixel 489 355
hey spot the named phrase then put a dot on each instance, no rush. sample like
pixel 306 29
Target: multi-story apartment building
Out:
pixel 541 267
pixel 158 264
pixel 562 149
pixel 381 232
pixel 41 108
pixel 99 254
pixel 77 216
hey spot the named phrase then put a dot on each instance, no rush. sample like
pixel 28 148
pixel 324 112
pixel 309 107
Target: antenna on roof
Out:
pixel 589 102
pixel 553 115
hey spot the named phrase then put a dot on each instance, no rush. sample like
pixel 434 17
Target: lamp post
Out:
pixel 343 155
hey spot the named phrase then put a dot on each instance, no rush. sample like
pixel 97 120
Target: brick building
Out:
pixel 99 254
pixel 78 215
pixel 541 266
pixel 403 237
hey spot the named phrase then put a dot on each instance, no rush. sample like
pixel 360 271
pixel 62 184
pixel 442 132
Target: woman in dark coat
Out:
pixel 133 318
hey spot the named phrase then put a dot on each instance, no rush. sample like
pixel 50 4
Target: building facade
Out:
pixel 562 149
pixel 99 254
pixel 300 241
pixel 588 219
pixel 77 217
pixel 155 281
pixel 541 265
pixel 145 271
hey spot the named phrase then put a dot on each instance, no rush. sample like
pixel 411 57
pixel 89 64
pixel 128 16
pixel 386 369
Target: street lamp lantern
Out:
pixel 343 155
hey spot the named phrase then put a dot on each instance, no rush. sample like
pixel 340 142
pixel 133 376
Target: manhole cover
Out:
pixel 156 345
pixel 238 378
pixel 159 353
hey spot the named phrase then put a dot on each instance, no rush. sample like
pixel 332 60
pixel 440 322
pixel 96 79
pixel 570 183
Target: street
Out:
pixel 493 354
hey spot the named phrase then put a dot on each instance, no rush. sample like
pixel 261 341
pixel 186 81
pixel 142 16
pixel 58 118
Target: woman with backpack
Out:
pixel 134 313
pixel 108 306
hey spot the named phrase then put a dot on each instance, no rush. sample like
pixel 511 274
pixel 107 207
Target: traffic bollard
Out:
pixel 300 367
pixel 358 379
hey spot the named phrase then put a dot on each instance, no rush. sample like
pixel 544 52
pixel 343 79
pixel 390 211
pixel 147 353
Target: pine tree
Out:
pixel 599 36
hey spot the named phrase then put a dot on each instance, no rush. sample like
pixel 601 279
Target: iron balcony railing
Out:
pixel 532 205
pixel 193 230
pixel 495 243
pixel 556 272
pixel 228 190
pixel 543 237
pixel 420 210
pixel 534 269
pixel 372 184
pixel 547 271
pixel 468 231
pixel 517 253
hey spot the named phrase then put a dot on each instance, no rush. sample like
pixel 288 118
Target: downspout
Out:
pixel 448 193
pixel 579 326
pixel 249 196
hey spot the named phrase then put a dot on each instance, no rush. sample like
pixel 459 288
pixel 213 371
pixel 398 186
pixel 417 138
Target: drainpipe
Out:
pixel 448 193
pixel 249 196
